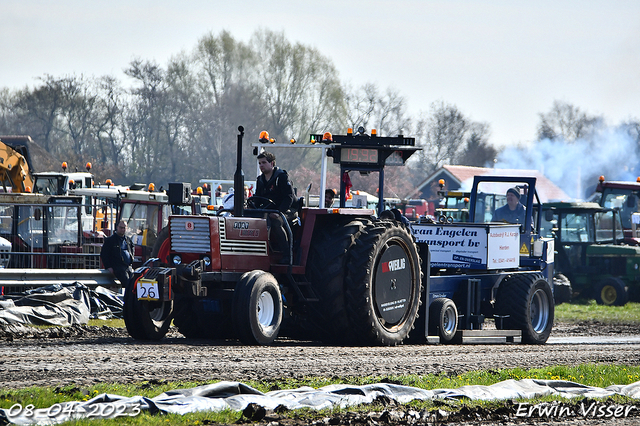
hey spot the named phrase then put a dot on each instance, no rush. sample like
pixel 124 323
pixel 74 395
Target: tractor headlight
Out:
pixel 207 260
pixel 177 260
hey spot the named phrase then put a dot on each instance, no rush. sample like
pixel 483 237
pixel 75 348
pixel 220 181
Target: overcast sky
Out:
pixel 500 62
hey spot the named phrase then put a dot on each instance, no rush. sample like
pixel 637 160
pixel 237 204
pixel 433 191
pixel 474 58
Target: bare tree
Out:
pixel 39 108
pixel 110 129
pixel 147 123
pixel 448 137
pixel 568 122
pixel 76 114
pixel 478 150
pixel 301 89
pixel 441 135
pixel 227 96
pixel 368 108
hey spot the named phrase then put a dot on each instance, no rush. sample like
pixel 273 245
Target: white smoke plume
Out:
pixel 576 166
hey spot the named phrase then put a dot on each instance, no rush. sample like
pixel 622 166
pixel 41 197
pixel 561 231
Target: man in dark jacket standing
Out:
pixel 275 185
pixel 117 254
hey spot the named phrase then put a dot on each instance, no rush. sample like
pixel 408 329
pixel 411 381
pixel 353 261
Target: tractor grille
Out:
pixel 196 240
pixel 239 246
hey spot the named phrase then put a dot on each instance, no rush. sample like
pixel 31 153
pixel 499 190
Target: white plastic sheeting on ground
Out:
pixel 236 396
pixel 59 304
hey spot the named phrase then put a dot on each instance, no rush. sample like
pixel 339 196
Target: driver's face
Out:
pixel 512 200
pixel 121 229
pixel 265 166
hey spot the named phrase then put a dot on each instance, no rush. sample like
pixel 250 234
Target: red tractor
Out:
pixel 623 196
pixel 221 277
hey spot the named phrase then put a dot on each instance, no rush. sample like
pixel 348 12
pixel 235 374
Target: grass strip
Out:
pixel 599 375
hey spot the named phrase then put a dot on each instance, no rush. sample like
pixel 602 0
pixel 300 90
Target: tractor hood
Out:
pixel 613 250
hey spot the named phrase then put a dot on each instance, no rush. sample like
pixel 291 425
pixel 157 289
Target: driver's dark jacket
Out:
pixel 117 252
pixel 511 216
pixel 278 189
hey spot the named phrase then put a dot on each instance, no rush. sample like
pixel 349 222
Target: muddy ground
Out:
pixel 85 355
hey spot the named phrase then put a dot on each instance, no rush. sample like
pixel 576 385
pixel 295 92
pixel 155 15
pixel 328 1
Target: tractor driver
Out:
pixel 274 184
pixel 513 211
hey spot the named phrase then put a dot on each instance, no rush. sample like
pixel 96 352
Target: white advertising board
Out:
pixel 470 246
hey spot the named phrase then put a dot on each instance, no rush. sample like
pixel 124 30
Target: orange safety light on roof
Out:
pixel 349 131
pixel 28 189
pixel 64 166
pixel 199 190
pixel 152 187
pixel 441 182
pixel 327 137
pixel 88 166
pixel 292 141
pixel 109 182
pixel 601 178
pixel 374 132
pixel 264 136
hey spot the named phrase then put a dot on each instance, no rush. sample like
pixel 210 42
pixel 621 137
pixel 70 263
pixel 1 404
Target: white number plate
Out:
pixel 148 290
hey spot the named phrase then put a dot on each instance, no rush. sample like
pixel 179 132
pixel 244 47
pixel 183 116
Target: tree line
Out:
pixel 179 122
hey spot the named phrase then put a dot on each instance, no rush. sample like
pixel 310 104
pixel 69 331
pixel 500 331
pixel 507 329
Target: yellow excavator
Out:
pixel 15 172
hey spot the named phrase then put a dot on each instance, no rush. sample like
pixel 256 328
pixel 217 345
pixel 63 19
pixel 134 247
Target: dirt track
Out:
pixel 88 355
pixel 85 355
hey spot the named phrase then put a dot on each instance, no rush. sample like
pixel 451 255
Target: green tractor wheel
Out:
pixel 611 292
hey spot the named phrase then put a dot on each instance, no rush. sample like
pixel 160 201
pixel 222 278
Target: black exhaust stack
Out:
pixel 238 179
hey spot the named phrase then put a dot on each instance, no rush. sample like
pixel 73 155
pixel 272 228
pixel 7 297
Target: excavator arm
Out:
pixel 14 170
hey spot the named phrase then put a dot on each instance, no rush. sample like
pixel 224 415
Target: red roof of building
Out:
pixel 547 190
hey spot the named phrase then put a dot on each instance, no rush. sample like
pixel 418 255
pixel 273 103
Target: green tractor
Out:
pixel 590 256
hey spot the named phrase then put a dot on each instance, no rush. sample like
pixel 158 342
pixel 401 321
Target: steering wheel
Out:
pixel 257 202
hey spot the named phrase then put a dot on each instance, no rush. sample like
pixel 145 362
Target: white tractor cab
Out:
pixel 146 213
pixel 60 183
pixel 42 229
pixel 217 189
pixel 364 200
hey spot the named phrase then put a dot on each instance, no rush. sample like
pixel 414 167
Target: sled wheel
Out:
pixel 443 319
pixel 526 302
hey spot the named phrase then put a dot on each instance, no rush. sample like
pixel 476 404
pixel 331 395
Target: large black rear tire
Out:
pixel 382 285
pixel 198 318
pixel 526 302
pixel 146 320
pixel 162 246
pixel 257 308
pixel 326 270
